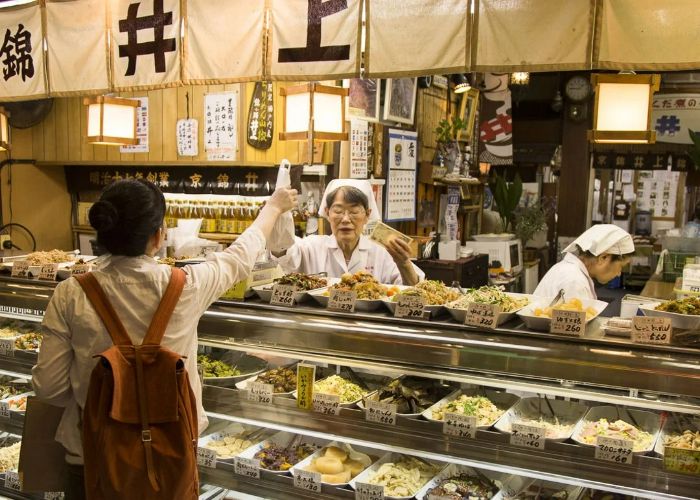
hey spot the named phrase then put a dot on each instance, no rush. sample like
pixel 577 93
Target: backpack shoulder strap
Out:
pixel 104 309
pixel 160 320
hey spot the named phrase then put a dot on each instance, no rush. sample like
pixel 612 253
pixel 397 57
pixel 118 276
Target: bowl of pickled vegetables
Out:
pixel 435 295
pixel 508 303
pixel 538 314
pixel 303 283
pixel 684 313
pixel 370 293
pixel 225 368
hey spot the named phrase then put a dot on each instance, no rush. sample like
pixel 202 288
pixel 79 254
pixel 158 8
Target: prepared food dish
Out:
pixel 569 305
pixel 228 446
pixel 303 282
pixel 28 342
pixel 18 404
pixel 553 429
pixel 538 492
pixel 463 486
pixel 411 394
pixel 480 407
pixel 690 306
pixel 10 390
pixel 434 292
pixel 8 331
pixel 489 295
pixel 9 457
pixel 168 261
pixel 618 430
pixel 283 379
pixel 336 385
pixel 403 478
pixel 50 257
pixel 213 368
pixel 281 458
pixel 689 440
pixel 366 286
pixel 339 465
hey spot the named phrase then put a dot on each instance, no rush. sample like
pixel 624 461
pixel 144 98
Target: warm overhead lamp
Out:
pixel 461 83
pixel 111 120
pixel 520 78
pixel 622 112
pixel 313 112
pixel 4 130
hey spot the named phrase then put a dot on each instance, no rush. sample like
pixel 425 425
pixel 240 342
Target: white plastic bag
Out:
pixel 283 233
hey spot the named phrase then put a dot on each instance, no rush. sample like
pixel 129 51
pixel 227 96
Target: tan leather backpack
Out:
pixel 140 417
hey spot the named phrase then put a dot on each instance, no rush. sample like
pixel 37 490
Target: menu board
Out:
pixel 401 176
pixel 221 126
pixel 656 192
pixel 359 139
pixel 141 129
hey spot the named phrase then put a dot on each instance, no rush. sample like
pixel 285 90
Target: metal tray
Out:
pixel 542 322
pixel 371 452
pixel 498 478
pixel 568 413
pixel 648 422
pixel 503 401
pixel 676 424
pixel 460 314
pixel 282 439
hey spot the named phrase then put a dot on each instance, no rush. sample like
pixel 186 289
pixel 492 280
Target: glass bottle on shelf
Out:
pixel 221 217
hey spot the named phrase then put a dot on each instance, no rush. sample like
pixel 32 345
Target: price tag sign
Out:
pixel 200 370
pixel 382 413
pixel 248 467
pixel 680 460
pixel 283 295
pixel 482 315
pixel 261 393
pixel 409 306
pixel 53 495
pixel 7 347
pixel 48 272
pixel 79 269
pixel 568 322
pixel 20 269
pixel 342 300
pixel 306 375
pixel 457 425
pixel 206 457
pixel 4 409
pixel 614 450
pixel 328 404
pixel 651 330
pixel 366 491
pixel 309 481
pixel 12 481
pixel 530 436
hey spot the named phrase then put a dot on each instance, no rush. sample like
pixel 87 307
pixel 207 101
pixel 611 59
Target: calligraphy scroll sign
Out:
pixel 261 116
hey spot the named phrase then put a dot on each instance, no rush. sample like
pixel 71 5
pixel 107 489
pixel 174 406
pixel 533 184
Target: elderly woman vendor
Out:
pixel 349 205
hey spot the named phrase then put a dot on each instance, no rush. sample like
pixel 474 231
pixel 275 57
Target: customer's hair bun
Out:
pixel 103 216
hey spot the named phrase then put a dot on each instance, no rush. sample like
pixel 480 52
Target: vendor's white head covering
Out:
pixel 604 238
pixel 362 185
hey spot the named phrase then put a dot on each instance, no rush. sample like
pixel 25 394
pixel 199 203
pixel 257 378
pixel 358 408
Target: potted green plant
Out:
pixel 531 220
pixel 447 132
pixel 506 196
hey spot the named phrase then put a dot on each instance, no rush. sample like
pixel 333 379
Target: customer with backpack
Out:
pixel 133 417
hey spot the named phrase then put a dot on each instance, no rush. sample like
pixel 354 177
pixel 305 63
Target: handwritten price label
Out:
pixel 680 460
pixel 309 481
pixel 261 393
pixel 614 450
pixel 366 491
pixel 409 306
pixel 342 300
pixel 382 413
pixel 206 457
pixel 12 481
pixel 457 425
pixel 79 269
pixel 54 495
pixel 20 269
pixel 328 404
pixel 568 322
pixel 530 436
pixel 7 347
pixel 283 295
pixel 306 375
pixel 48 272
pixel 482 315
pixel 4 409
pixel 248 467
pixel 651 330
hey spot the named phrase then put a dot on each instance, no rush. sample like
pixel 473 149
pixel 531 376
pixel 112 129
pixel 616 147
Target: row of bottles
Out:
pixel 218 216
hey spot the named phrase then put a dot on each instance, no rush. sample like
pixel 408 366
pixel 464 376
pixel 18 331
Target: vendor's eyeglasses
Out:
pixel 353 213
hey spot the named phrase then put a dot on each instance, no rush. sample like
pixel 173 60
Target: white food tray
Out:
pixel 542 322
pixel 282 439
pixel 680 321
pixel 373 453
pixel 648 422
pixel 568 413
pixel 15 398
pixel 265 291
pixel 361 305
pixel 371 471
pixel 235 431
pixel 503 401
pixel 432 309
pixel 244 385
pixel 461 314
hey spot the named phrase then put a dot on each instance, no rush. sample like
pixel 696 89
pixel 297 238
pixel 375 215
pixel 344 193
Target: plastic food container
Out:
pixel 503 401
pixel 648 422
pixel 373 454
pixel 542 323
pixel 567 412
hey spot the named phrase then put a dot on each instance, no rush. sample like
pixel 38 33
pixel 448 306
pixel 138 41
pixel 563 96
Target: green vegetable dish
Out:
pixel 216 369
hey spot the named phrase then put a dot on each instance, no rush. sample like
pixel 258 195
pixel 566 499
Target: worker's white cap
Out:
pixel 604 238
pixel 362 185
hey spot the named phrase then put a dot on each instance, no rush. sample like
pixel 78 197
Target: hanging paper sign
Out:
pixel 141 129
pixel 359 142
pixel 306 375
pixel 221 126
pixel 187 130
pixel 496 121
pixel 651 330
pixel 261 116
pixel 401 181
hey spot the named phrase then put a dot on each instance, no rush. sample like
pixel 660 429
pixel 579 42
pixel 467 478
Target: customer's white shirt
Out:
pixel 74 333
pixel 319 253
pixel 570 275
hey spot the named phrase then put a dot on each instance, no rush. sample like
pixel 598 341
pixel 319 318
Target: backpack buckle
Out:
pixel 146 436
